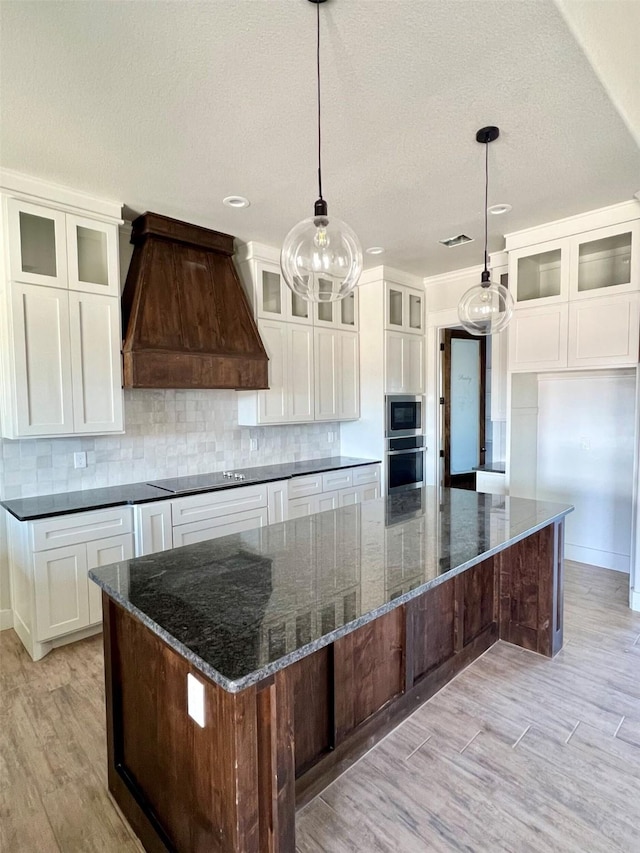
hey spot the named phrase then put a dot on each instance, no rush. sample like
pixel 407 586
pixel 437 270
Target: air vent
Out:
pixel 458 240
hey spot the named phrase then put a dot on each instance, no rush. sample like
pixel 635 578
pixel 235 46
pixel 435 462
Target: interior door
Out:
pixel 463 372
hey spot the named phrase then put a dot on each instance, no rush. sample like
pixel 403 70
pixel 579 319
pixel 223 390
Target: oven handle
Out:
pixel 410 450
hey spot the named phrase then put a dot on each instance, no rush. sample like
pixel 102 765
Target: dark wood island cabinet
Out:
pixel 311 639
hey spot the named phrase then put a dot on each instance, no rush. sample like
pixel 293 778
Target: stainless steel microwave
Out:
pixel 403 415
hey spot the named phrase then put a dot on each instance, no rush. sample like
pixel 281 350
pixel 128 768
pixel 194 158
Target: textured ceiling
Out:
pixel 170 106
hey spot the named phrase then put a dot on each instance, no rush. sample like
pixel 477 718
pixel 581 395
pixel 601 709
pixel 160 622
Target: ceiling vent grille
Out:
pixel 458 240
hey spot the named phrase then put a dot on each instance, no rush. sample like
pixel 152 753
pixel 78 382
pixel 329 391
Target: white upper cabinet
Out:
pixel 577 295
pixel 290 396
pixel 605 262
pixel 340 315
pixel 538 338
pixel 296 334
pixel 60 335
pixel 604 331
pixel 266 288
pixel 404 309
pixel 94 326
pixel 539 275
pixel 92 256
pixel 404 363
pixel 39 396
pixel 337 381
pixel 37 244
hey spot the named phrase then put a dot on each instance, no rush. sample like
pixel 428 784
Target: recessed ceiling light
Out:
pixel 497 209
pixel 458 240
pixel 375 250
pixel 236 201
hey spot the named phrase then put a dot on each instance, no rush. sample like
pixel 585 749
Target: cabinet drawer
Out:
pixel 212 528
pixel 214 504
pixel 366 474
pixel 336 480
pixel 302 487
pixel 64 530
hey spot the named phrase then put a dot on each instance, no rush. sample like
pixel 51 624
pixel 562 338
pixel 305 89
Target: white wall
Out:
pixel 585 456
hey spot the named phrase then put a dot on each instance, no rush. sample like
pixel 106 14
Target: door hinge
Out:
pixel 441 347
pixel 442 401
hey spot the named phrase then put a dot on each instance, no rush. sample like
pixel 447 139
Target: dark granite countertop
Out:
pixel 63 503
pixel 244 606
pixel 42 506
pixel 492 468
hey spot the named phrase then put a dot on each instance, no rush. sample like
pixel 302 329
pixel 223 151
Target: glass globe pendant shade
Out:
pixel 321 259
pixel 486 308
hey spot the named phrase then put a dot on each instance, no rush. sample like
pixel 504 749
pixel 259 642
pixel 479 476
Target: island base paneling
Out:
pixel 233 785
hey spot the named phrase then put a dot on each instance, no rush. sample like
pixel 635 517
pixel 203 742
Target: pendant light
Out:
pixel 321 257
pixel 486 308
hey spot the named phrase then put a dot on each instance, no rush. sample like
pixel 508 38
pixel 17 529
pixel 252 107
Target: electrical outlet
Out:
pixel 80 459
pixel 253 444
pixel 331 436
pixel 195 699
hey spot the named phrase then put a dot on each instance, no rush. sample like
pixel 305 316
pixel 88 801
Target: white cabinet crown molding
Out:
pixel 615 214
pixel 47 193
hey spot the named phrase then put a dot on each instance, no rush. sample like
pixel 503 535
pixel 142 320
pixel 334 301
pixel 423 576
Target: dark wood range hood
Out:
pixel 186 318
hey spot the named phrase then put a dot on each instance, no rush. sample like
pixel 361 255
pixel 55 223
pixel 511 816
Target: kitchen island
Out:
pixel 308 641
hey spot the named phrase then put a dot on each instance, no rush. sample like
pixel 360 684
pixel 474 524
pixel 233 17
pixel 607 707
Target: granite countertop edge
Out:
pixel 158 494
pixel 237 685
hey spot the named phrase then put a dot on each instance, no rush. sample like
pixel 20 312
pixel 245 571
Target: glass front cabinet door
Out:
pixel 92 254
pixel 276 301
pixel 605 262
pixel 404 309
pixel 37 244
pixel 539 275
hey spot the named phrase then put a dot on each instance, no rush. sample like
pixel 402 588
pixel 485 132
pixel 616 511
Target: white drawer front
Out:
pixel 337 479
pixel 212 528
pixel 302 487
pixel 366 474
pixel 63 530
pixel 214 504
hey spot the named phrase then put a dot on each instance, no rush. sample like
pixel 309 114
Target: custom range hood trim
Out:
pixel 187 318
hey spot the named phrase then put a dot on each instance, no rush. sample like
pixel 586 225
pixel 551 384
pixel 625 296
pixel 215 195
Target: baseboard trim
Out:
pixel 593 557
pixel 6 619
pixel 634 599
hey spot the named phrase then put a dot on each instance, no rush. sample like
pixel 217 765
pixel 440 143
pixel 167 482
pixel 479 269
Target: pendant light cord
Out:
pixel 318 77
pixel 486 202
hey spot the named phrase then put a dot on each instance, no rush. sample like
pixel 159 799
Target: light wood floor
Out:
pixel 519 753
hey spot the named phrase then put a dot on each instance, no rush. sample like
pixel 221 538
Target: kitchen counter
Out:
pixel 43 506
pixel 243 673
pixel 492 468
pixel 214 602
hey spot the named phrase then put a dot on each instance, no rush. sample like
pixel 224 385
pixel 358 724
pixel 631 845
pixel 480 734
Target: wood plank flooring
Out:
pixel 519 753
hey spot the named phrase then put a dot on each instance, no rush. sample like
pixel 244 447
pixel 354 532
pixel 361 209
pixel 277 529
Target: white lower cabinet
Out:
pixel 61 590
pixel 53 599
pixel 212 528
pixel 333 489
pixel 153 530
pixel 197 518
pixel 491 482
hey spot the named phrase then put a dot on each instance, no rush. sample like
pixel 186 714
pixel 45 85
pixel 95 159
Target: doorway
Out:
pixel 464 359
